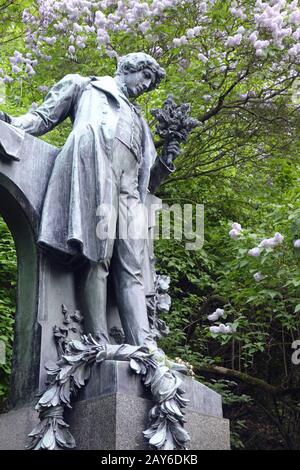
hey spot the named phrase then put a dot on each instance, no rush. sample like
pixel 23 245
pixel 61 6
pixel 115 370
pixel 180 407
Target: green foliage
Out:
pixel 265 313
pixel 8 268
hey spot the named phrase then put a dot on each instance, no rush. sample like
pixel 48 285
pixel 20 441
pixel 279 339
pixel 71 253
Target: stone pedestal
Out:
pixel 112 412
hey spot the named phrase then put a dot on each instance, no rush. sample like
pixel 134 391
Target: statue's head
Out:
pixel 139 72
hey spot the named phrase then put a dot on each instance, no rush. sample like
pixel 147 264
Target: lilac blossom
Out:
pixel 295 17
pixel 7 79
pixel 144 26
pixel 234 233
pixel 203 7
pixel 16 69
pixel 258 276
pixel 214 329
pixel 269 24
pixel 29 70
pixel 278 238
pixel 219 312
pixel 52 40
pixel 236 226
pixel 202 57
pixel 254 252
pixel 222 329
pixel 268 243
pixel 272 242
pixel 72 50
pixel 43 88
pixel 234 41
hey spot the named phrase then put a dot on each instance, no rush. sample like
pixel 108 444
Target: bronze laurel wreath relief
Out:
pixel 71 372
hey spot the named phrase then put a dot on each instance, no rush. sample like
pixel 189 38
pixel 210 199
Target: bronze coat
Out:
pixel 82 174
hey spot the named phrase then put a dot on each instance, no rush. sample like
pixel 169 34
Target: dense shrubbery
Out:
pixel 265 313
pixel 8 274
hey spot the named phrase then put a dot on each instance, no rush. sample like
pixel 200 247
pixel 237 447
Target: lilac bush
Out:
pixel 263 28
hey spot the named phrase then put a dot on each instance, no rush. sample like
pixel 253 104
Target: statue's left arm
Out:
pixel 55 109
pixel 154 169
pixel 160 171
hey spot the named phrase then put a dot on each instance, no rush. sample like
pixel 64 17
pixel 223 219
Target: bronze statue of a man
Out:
pixel 105 162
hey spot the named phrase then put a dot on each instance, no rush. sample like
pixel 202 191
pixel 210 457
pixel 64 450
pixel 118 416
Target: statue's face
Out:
pixel 138 82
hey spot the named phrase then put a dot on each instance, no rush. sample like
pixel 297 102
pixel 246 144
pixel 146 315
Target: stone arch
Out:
pixel 15 210
pixel 23 185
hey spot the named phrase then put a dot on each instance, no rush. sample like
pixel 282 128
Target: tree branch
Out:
pixel 247 379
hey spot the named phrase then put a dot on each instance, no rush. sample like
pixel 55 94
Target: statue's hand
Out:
pixel 7 152
pixel 5 117
pixel 171 151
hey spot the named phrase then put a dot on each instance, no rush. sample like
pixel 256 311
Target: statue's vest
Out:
pixel 129 130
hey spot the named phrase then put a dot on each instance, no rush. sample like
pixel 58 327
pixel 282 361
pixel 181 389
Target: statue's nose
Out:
pixel 147 83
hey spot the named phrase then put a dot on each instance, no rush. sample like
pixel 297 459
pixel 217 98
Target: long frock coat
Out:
pixel 82 175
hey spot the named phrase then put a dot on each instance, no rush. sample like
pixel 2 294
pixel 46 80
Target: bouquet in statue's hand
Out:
pixel 174 126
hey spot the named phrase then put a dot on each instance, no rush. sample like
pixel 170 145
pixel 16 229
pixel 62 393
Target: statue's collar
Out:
pixel 106 84
pixel 109 85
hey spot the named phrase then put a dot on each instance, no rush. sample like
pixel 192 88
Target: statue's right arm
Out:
pixel 55 109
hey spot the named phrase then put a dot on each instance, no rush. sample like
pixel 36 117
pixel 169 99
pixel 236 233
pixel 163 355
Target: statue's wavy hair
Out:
pixel 136 61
